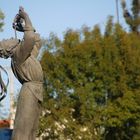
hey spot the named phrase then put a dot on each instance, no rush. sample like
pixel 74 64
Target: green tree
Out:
pixel 92 85
pixel 132 17
pixel 1 20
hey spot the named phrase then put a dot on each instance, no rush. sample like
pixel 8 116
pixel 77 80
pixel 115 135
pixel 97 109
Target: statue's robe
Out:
pixel 28 71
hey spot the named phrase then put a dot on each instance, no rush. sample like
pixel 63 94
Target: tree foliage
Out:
pixel 132 17
pixel 92 85
pixel 1 20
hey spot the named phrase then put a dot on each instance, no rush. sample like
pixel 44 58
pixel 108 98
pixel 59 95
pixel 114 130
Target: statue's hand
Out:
pixel 21 8
pixel 25 17
pixel 17 18
pixel 17 24
pixel 22 13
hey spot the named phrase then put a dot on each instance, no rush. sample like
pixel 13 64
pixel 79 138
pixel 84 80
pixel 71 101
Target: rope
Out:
pixel 3 86
pixel 15 34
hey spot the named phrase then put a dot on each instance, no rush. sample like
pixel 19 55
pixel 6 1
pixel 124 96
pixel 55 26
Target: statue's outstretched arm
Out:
pixel 29 38
pixel 7 46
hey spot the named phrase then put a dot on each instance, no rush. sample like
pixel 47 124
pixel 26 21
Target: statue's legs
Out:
pixel 27 115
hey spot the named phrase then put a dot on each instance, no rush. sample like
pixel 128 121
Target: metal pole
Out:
pixel 11 100
pixel 15 34
pixel 117 11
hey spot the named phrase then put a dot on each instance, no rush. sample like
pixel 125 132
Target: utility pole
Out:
pixel 117 11
pixel 12 109
pixel 11 94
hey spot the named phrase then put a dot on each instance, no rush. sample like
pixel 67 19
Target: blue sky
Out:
pixel 57 16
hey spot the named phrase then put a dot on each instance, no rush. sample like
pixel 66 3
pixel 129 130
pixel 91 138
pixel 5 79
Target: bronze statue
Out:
pixel 28 71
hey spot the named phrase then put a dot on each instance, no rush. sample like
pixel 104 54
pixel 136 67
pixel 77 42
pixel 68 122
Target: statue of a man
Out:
pixel 28 71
